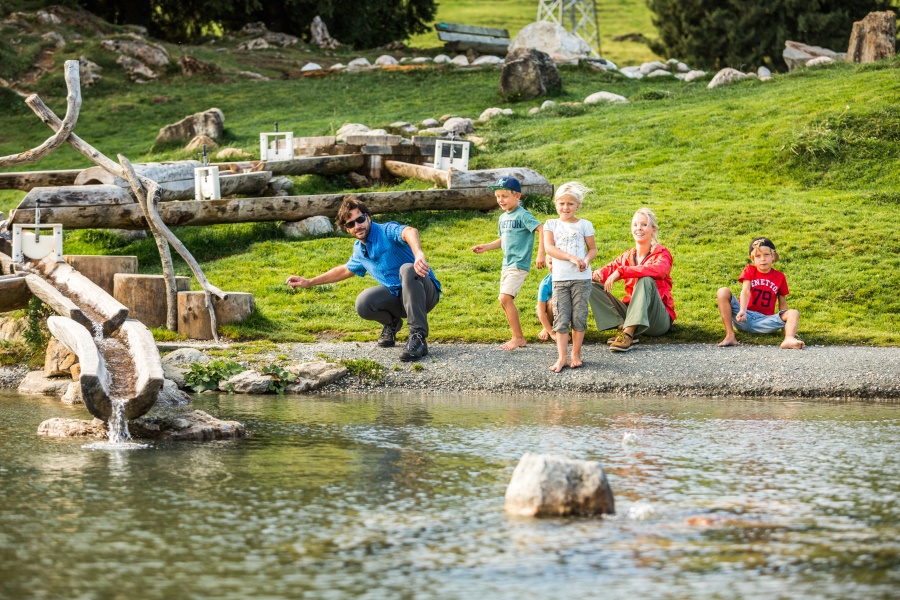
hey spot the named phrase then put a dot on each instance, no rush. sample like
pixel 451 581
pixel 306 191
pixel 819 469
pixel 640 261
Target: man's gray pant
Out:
pixel 418 295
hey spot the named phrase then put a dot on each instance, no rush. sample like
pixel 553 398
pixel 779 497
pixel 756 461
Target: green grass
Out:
pixel 809 159
pixel 616 18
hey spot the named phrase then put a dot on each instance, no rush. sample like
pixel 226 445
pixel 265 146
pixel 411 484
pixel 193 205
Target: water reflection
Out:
pixel 403 496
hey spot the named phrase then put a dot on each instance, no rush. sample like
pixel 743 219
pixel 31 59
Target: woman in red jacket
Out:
pixel 647 307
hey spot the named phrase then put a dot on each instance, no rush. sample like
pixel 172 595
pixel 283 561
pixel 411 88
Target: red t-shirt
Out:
pixel 764 289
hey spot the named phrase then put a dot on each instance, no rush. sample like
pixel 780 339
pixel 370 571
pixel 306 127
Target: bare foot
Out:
pixel 544 335
pixel 729 341
pixel 793 343
pixel 514 344
pixel 576 362
pixel 558 366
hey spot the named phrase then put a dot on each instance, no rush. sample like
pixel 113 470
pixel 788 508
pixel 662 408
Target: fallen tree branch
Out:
pixel 73 106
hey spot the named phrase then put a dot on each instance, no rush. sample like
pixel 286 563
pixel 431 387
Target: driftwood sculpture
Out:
pixel 145 189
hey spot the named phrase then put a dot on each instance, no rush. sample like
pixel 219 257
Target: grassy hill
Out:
pixel 810 159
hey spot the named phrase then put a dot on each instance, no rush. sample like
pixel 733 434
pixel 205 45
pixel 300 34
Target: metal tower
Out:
pixel 577 16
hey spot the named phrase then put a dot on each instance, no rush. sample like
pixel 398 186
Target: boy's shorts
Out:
pixel 511 280
pixel 756 322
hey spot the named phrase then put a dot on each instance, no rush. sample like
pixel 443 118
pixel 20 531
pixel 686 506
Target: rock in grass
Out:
pixel 692 75
pixel 545 485
pixel 528 73
pixel 726 76
pixel 598 97
pixel 317 225
pixel 819 61
pixel 210 123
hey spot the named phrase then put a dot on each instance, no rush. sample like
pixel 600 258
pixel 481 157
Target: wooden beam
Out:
pixel 162 172
pixel 317 165
pixel 455 179
pixel 28 180
pixel 14 293
pixel 250 210
pixel 410 171
pixel 76 195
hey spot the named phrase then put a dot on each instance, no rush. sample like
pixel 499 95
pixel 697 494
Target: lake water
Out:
pixel 402 496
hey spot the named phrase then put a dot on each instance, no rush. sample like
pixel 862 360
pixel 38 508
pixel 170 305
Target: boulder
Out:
pixel 460 60
pixel 386 60
pixel 87 72
pixel 874 38
pixel 548 485
pixel 170 395
pixel 350 129
pixel 252 29
pixel 252 75
pixel 598 97
pixel 692 75
pixel 232 153
pixel 337 67
pixel 73 394
pixel 317 225
pixel 190 66
pixel 210 123
pixel 819 60
pixel 141 50
pixel 38 384
pixel 359 63
pixel 534 110
pixel 442 59
pixel 528 73
pixel 547 104
pixel 254 44
pixel 764 74
pixel 552 39
pixel 195 425
pixel 198 142
pixel 311 66
pixel 318 373
pixel 73 428
pixel 320 35
pixel 490 113
pixel 278 186
pixel 796 54
pixel 58 359
pixel 655 65
pixel 420 60
pixel 459 125
pixel 247 382
pixel 659 73
pixel 175 364
pixel 632 72
pixel 135 70
pixel 487 59
pixel 12 328
pixel 726 76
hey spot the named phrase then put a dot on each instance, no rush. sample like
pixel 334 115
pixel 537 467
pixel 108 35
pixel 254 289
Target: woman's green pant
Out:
pixel 646 310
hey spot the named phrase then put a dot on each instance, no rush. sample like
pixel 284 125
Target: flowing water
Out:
pixel 402 497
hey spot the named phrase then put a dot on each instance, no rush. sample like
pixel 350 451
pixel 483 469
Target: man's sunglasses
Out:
pixel 353 222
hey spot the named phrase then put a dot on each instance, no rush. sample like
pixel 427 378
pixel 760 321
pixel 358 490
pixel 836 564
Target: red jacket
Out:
pixel 657 265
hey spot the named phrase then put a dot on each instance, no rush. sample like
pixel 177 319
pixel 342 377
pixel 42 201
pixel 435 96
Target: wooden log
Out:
pixel 90 298
pixel 420 172
pixel 53 298
pixel 14 293
pixel 142 294
pixel 93 374
pixel 253 210
pixel 103 269
pixel 148 371
pixel 373 140
pixel 28 180
pixel 76 195
pixel 194 316
pixel 455 179
pixel 162 172
pixel 317 165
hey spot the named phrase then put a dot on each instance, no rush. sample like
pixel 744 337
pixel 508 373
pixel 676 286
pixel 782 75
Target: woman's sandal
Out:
pixel 620 345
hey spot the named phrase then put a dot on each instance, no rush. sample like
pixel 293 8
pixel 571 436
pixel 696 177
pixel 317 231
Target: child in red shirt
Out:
pixel 762 287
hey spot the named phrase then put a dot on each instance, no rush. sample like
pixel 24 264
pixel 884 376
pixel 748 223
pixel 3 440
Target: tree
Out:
pixel 749 33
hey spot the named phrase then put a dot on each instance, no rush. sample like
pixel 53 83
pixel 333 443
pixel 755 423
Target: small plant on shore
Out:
pixel 418 367
pixel 207 376
pixel 281 378
pixel 364 368
pixel 36 334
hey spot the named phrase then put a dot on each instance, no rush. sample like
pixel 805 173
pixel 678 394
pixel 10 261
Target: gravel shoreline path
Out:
pixel 839 372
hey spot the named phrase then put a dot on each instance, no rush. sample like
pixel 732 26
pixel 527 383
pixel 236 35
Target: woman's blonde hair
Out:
pixel 574 189
pixel 651 220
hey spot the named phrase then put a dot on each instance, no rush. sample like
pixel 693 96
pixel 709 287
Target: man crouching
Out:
pixel 392 254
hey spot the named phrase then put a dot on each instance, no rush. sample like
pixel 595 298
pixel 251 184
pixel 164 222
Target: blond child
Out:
pixel 762 287
pixel 570 241
pixel 516 227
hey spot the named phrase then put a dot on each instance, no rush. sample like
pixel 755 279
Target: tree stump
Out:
pixel 102 269
pixel 145 296
pixel 193 314
pixel 874 38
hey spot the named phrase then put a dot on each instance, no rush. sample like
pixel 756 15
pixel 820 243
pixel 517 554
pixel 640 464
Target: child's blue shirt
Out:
pixel 517 237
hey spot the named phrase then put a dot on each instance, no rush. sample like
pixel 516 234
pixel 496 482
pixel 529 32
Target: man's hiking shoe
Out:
pixel 389 334
pixel 416 348
pixel 623 345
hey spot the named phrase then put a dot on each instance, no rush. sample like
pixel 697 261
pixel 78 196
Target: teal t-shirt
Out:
pixel 517 238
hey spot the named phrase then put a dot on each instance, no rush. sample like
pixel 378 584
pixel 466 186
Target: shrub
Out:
pixel 207 376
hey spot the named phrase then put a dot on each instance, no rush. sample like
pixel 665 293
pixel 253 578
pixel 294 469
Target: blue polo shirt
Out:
pixel 382 255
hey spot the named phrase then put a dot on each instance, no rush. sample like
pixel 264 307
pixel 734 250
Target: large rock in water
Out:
pixel 195 425
pixel 873 38
pixel 528 73
pixel 546 485
pixel 553 39
pixel 210 123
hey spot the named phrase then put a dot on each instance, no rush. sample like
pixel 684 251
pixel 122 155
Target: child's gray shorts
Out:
pixel 756 322
pixel 571 299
